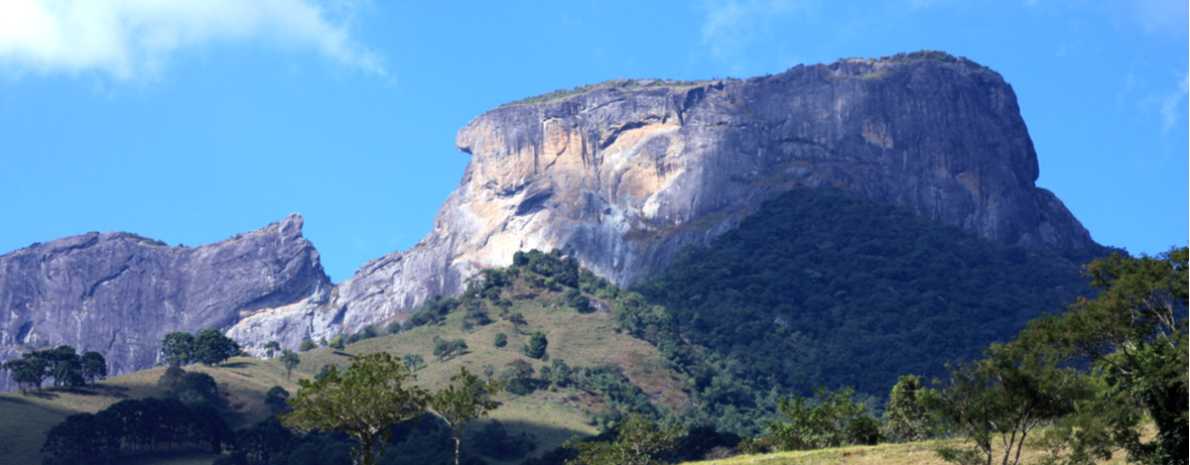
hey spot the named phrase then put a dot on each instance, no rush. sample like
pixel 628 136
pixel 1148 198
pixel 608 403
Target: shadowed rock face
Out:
pixel 624 175
pixel 117 294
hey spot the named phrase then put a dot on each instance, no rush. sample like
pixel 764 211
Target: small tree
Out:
pixel 211 347
pixel 276 398
pixel 271 348
pixel 375 392
pixel 414 361
pixel 94 366
pixel 291 360
pixel 27 371
pixel 638 442
pixel 307 345
pixel 910 410
pixel 501 340
pixel 834 421
pixel 449 348
pixel 337 342
pixel 536 346
pixel 177 348
pixel 464 399
pixel 517 320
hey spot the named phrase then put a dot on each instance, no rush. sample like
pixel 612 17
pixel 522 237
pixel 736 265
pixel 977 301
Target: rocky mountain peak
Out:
pixel 119 293
pixel 621 174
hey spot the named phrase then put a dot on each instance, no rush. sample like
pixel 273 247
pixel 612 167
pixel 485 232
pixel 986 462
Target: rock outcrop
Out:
pixel 622 174
pixel 119 293
pixel 619 175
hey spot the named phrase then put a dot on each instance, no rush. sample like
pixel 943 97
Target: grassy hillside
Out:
pixel 914 453
pixel 551 415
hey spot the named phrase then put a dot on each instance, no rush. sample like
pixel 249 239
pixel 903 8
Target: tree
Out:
pixel 999 400
pixel 276 398
pixel 1134 335
pixel 375 392
pixel 271 348
pixel 337 342
pixel 177 347
pixel 638 442
pixel 94 366
pixel 307 345
pixel 414 361
pixel 910 410
pixel 501 340
pixel 464 399
pixel 536 346
pixel 836 420
pixel 449 348
pixel 517 320
pixel 27 371
pixel 69 374
pixel 211 347
pixel 290 359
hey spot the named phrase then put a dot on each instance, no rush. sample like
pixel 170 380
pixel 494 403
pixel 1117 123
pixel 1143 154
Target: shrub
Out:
pixel 536 346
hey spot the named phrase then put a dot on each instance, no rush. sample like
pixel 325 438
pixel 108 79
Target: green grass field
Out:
pixel 914 453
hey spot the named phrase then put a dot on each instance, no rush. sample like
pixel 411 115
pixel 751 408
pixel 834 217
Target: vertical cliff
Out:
pixel 622 174
pixel 119 294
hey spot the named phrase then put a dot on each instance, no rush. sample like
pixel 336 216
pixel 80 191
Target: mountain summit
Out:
pixel 624 173
pixel 119 293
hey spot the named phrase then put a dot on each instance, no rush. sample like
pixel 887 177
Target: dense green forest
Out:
pixel 818 288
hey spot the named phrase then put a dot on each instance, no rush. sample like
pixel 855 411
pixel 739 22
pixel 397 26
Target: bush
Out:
pixel 501 340
pixel 834 421
pixel 307 345
pixel 536 346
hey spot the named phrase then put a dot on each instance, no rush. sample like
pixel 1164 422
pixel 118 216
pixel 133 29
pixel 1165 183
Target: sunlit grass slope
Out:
pixel 914 453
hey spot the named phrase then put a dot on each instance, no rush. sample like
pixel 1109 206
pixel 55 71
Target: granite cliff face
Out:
pixel 119 294
pixel 622 175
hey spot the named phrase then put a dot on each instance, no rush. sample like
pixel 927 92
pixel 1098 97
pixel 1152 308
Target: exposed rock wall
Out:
pixel 620 177
pixel 119 294
pixel 624 175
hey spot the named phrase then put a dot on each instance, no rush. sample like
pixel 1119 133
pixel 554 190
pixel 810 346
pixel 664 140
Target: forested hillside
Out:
pixel 819 288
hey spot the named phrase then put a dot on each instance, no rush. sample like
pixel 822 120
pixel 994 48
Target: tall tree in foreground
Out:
pixel 375 392
pixel 998 401
pixel 1134 335
pixel 465 399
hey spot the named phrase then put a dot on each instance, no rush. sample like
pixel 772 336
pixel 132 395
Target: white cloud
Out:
pixel 1169 105
pixel 134 39
pixel 731 25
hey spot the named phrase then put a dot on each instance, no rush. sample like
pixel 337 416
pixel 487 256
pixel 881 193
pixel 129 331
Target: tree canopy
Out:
pixel 375 392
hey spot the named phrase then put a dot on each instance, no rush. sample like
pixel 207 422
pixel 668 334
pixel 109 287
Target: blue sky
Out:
pixel 192 121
